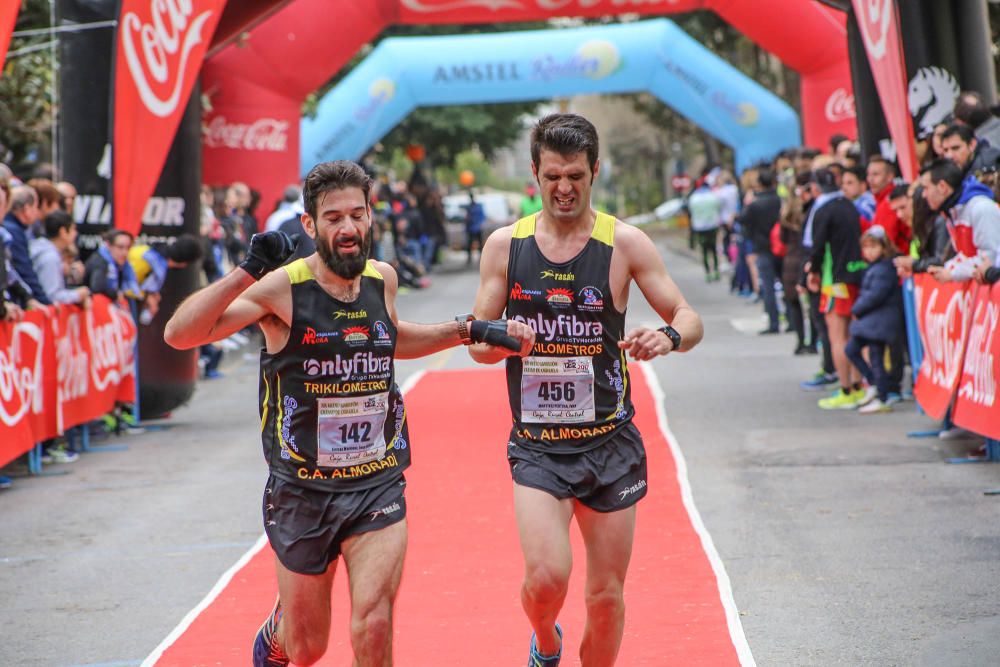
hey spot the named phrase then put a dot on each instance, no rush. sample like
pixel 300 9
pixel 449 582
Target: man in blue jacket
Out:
pixel 24 213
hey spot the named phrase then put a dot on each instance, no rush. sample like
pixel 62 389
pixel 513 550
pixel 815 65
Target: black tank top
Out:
pixel 331 415
pixel 572 393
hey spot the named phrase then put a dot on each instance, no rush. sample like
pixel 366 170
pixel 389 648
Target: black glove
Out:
pixel 268 251
pixel 493 332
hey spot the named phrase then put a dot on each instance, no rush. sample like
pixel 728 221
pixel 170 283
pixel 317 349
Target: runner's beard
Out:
pixel 350 266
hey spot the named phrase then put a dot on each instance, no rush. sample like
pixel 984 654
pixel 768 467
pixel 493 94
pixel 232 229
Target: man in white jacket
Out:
pixel 973 219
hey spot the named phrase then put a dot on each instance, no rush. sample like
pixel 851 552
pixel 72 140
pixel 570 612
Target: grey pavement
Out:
pixel 846 542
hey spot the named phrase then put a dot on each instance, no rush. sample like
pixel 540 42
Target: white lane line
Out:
pixel 224 580
pixel 722 579
pixel 205 602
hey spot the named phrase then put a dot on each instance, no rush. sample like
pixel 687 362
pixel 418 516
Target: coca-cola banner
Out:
pixel 8 16
pixel 160 48
pixel 879 27
pixel 60 367
pixel 976 406
pixel 266 134
pixel 944 311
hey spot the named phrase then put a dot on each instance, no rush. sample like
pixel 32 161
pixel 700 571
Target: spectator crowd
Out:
pixel 824 240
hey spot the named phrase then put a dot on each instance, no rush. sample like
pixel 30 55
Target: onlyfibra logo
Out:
pixel 381 91
pixel 593 59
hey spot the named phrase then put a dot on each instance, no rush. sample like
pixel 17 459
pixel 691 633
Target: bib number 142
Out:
pixel 355 432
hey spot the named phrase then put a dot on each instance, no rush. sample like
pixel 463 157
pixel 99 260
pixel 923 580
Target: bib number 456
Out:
pixel 557 391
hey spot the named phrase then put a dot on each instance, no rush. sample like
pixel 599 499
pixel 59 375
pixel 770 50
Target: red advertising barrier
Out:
pixel 60 367
pixel 976 406
pixel 943 314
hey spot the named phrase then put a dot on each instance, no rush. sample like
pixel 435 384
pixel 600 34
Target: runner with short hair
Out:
pixel 573 450
pixel 333 425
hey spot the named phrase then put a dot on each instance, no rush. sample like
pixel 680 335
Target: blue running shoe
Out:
pixel 819 382
pixel 266 652
pixel 536 659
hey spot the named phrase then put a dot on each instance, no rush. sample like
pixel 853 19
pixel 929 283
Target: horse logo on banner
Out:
pixel 931 94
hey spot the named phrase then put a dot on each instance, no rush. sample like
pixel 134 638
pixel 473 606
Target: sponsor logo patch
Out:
pixel 591 298
pixel 559 297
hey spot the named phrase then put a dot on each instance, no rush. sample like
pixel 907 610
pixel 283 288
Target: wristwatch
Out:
pixel 672 334
pixel 463 327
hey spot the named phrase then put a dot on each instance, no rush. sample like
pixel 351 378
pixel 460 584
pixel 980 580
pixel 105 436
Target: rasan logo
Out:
pixel 166 46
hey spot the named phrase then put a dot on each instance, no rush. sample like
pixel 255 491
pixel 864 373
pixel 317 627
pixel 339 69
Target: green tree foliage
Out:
pixel 446 132
pixel 26 90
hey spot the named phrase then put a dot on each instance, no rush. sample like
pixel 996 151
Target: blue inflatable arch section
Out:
pixel 407 72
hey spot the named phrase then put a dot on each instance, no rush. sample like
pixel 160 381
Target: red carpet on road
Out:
pixel 459 601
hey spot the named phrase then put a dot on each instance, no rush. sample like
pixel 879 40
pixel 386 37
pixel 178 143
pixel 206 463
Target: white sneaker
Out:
pixel 870 394
pixel 874 406
pixel 63 455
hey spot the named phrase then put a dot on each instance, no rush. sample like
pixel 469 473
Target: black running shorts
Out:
pixel 307 527
pixel 608 478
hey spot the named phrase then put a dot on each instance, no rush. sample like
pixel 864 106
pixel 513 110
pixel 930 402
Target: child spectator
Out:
pixel 876 320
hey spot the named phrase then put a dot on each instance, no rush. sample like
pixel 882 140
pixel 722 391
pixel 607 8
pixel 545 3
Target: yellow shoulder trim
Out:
pixel 525 227
pixel 299 272
pixel 371 271
pixel 604 229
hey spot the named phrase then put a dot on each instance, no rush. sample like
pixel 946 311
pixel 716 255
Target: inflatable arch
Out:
pixel 408 72
pixel 257 84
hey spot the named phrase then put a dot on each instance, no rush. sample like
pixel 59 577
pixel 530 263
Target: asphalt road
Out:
pixel 846 542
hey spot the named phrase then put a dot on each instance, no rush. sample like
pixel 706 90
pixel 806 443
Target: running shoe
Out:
pixel 819 381
pixel 60 454
pixel 6 482
pixel 841 400
pixel 892 398
pixel 874 407
pixel 536 659
pixel 266 651
pixel 868 394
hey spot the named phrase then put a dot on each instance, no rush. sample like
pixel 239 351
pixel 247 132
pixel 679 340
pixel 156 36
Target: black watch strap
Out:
pixel 463 327
pixel 672 334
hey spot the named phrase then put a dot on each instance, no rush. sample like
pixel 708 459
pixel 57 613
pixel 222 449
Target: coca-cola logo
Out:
pixel 112 346
pixel 264 134
pixel 943 332
pixel 21 373
pixel 874 20
pixel 72 359
pixel 979 383
pixel 840 106
pixel 157 53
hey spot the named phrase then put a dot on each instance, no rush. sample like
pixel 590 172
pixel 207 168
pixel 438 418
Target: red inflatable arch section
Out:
pixel 256 85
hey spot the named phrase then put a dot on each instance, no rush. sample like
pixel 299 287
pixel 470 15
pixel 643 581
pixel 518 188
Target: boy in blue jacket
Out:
pixel 876 319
